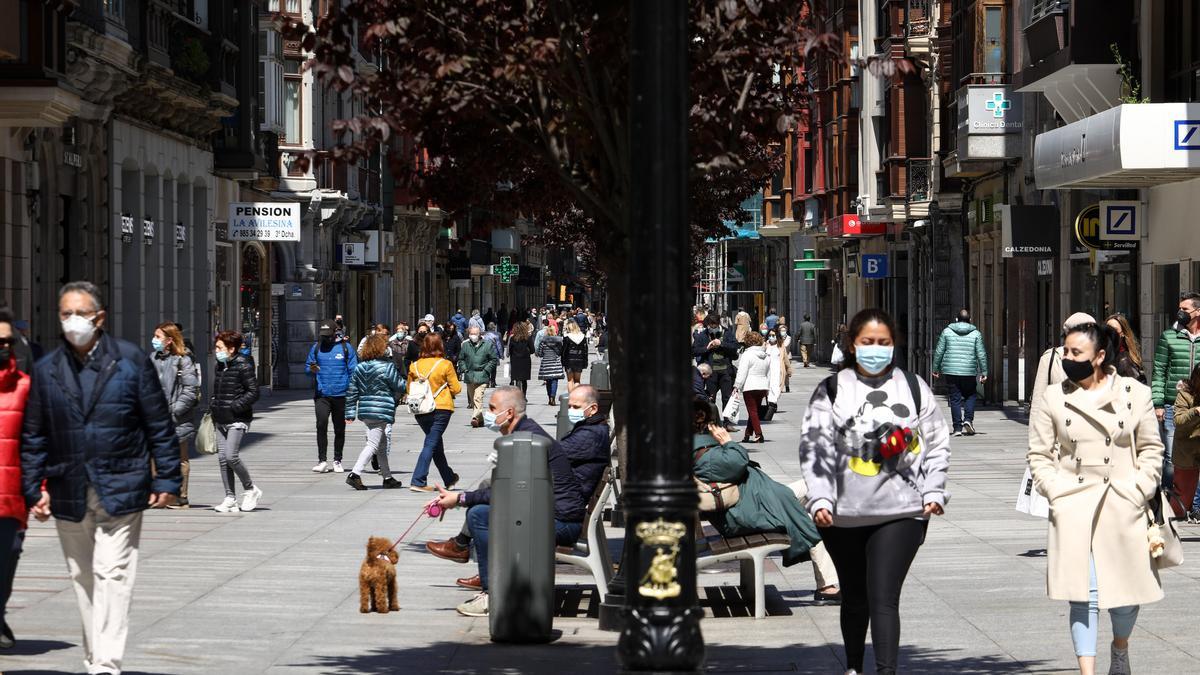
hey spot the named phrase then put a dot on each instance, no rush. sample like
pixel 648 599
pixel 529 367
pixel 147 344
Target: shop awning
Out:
pixel 1129 146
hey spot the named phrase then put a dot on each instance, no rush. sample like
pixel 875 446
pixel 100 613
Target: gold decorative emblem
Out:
pixel 660 582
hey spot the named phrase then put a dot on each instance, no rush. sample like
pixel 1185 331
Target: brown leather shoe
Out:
pixel 474 583
pixel 449 550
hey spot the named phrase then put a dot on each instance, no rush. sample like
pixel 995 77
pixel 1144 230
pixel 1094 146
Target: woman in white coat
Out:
pixel 757 379
pixel 1095 453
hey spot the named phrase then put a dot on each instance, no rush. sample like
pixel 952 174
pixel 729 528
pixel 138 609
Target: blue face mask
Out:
pixel 489 420
pixel 222 357
pixel 873 358
pixel 157 344
pixel 576 415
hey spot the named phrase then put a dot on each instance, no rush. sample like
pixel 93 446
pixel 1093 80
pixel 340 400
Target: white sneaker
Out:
pixel 250 498
pixel 476 606
pixel 337 467
pixel 229 505
pixel 1119 664
pixel 321 467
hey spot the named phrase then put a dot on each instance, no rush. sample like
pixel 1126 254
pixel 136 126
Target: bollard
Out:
pixel 563 424
pixel 521 542
pixel 598 378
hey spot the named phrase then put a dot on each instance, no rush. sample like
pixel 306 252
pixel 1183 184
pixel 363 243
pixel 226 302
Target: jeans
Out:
pixel 565 534
pixel 229 441
pixel 376 447
pixel 1085 618
pixel 326 407
pixel 962 393
pixel 1168 428
pixel 872 563
pixel 552 389
pixel 434 425
pixel 11 540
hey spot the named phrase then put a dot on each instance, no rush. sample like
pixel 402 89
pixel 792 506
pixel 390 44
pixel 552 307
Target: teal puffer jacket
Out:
pixel 374 392
pixel 960 351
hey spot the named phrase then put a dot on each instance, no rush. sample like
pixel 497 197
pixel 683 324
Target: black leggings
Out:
pixel 871 564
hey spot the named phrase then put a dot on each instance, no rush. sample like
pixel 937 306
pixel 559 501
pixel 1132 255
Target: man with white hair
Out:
pixel 477 364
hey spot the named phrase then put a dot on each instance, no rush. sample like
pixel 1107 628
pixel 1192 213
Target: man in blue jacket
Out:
pixel 95 419
pixel 506 414
pixel 332 361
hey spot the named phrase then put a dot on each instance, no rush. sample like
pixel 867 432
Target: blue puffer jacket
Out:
pixel 336 364
pixel 105 442
pixel 374 392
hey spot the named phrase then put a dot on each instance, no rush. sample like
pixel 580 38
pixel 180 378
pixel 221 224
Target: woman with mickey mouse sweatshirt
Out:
pixel 874 451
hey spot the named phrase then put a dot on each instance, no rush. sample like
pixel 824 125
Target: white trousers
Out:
pixel 823 569
pixel 102 554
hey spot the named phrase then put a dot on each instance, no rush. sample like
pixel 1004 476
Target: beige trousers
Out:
pixel 823 569
pixel 475 393
pixel 102 554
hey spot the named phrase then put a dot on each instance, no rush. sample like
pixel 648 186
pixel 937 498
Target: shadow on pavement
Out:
pixel 458 657
pixel 36 647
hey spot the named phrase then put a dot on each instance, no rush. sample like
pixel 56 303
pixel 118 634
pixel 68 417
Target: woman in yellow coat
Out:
pixel 1095 453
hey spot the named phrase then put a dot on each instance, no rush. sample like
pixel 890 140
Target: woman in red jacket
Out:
pixel 14 390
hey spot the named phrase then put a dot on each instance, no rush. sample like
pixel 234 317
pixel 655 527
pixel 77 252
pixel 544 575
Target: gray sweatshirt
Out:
pixel 841 460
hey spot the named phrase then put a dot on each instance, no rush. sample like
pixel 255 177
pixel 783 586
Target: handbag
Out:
pixel 732 406
pixel 1162 538
pixel 715 496
pixel 766 411
pixel 206 436
pixel 1029 500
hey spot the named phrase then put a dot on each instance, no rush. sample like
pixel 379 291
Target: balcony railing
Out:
pixel 920 179
pixel 917 21
pixel 1043 8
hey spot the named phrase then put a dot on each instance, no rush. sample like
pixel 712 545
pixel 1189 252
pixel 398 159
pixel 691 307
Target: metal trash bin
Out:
pixel 521 541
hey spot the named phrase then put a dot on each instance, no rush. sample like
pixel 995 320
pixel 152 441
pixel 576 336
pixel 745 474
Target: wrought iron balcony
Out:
pixel 919 179
pixel 917 19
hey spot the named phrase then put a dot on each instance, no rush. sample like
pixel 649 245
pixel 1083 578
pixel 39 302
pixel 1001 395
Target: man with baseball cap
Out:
pixel 1050 370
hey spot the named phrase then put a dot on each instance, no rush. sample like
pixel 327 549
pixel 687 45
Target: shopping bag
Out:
pixel 206 436
pixel 837 358
pixel 732 407
pixel 1029 500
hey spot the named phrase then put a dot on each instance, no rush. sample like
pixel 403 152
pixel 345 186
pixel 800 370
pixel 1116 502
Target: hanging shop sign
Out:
pixel 148 231
pixel 853 225
pixel 459 266
pixel 506 270
pixel 1028 231
pixel 874 266
pixel 529 276
pixel 126 228
pixel 354 253
pixel 264 221
pixel 180 235
pixel 1121 220
pixel 1087 232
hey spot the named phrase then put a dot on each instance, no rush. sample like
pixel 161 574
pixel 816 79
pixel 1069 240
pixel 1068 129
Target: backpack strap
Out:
pixel 914 387
pixel 831 389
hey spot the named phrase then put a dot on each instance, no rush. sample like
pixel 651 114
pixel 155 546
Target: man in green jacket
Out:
pixel 476 366
pixel 961 357
pixel 1174 358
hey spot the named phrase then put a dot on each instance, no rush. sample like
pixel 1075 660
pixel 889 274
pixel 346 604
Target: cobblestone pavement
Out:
pixel 275 591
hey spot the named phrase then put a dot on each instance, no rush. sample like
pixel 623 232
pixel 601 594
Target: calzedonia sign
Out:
pixel 264 221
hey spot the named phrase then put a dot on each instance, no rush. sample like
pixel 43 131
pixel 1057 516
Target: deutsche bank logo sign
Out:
pixel 1187 134
pixel 1120 220
pixel 874 266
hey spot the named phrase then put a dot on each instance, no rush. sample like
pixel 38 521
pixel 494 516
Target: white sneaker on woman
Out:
pixel 1119 663
pixel 229 505
pixel 250 498
pixel 337 467
pixel 321 467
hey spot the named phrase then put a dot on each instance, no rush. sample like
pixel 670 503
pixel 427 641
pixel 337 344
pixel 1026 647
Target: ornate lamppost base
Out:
pixel 661 639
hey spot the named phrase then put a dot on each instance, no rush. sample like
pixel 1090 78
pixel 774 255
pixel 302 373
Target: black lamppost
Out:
pixel 661 621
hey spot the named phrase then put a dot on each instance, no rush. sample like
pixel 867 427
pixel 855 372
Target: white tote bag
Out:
pixel 732 407
pixel 1029 500
pixel 837 357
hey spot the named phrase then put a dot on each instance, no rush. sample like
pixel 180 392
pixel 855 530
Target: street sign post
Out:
pixel 809 263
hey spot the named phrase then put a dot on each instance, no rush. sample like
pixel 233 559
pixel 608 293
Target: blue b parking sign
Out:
pixel 874 266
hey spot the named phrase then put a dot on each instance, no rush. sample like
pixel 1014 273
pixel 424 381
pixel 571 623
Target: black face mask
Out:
pixel 715 332
pixel 1183 318
pixel 1077 371
pixel 5 355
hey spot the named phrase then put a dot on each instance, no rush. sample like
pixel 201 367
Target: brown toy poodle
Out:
pixel 377 577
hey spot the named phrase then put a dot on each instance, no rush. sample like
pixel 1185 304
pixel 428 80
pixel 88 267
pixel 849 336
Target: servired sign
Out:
pixel 852 225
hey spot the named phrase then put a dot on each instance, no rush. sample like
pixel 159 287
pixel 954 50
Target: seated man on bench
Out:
pixel 506 414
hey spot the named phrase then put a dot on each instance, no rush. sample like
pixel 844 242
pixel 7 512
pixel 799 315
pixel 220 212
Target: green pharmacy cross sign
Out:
pixel 810 264
pixel 506 270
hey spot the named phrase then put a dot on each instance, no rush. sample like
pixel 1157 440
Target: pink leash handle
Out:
pixel 432 509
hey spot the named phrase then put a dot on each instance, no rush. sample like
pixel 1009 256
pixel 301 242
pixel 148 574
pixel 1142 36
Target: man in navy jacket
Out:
pixel 95 419
pixel 588 443
pixel 506 414
pixel 332 361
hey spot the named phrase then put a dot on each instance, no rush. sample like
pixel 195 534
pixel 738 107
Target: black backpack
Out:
pixel 914 388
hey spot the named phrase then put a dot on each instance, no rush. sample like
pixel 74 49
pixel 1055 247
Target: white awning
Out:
pixel 1129 146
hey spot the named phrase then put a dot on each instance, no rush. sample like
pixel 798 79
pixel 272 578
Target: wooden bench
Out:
pixel 750 551
pixel 591 552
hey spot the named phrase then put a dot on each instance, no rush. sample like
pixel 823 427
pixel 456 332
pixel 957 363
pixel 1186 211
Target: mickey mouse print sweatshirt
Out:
pixel 869 457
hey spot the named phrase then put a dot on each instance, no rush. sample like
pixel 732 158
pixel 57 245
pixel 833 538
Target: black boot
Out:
pixel 392 484
pixel 354 481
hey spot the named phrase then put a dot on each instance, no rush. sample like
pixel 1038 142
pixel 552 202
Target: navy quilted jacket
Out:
pixel 375 391
pixel 106 442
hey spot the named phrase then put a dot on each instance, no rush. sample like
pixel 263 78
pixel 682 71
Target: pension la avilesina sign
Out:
pixel 264 221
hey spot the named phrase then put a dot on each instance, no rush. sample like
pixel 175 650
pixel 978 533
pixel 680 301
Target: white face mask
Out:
pixel 474 338
pixel 79 330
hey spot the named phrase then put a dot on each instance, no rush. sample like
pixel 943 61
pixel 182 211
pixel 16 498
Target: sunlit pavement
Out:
pixel 276 590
